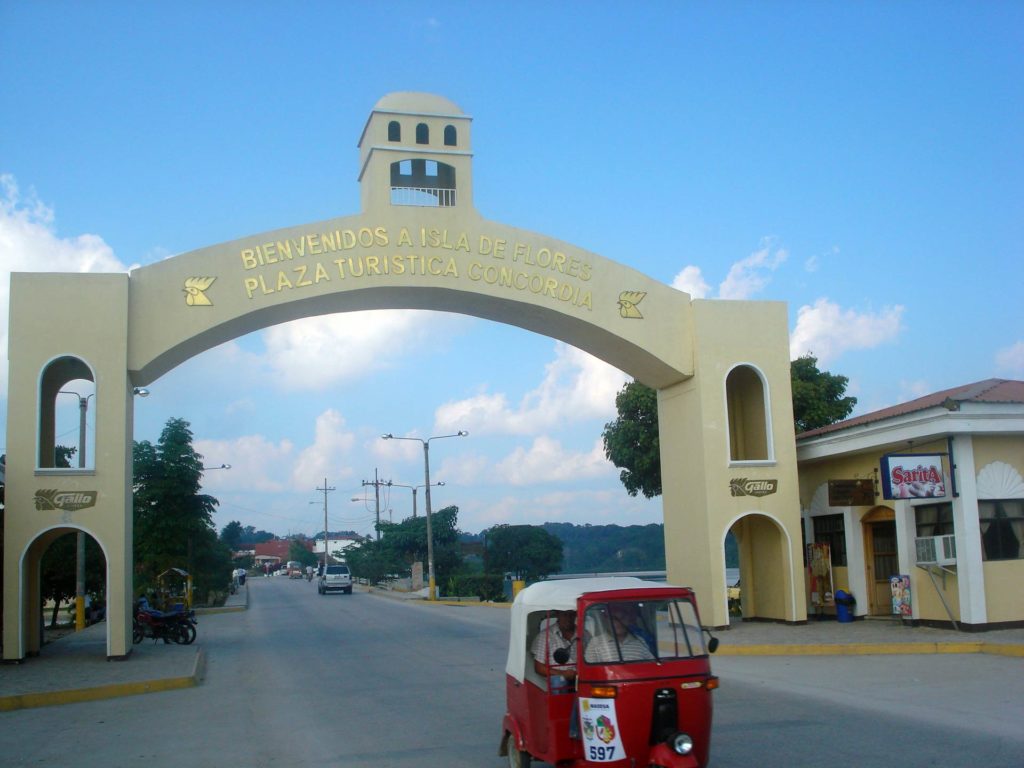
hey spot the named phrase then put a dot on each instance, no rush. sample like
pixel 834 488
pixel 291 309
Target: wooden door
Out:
pixel 882 562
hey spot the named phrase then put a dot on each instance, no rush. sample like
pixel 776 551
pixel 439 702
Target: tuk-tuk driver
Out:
pixel 622 643
pixel 560 633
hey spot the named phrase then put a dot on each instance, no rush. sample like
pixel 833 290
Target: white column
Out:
pixel 856 568
pixel 969 566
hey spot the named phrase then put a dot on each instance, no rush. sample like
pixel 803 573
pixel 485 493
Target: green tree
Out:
pixel 631 440
pixel 818 396
pixel 402 544
pixel 297 551
pixel 528 551
pixel 173 520
pixel 231 535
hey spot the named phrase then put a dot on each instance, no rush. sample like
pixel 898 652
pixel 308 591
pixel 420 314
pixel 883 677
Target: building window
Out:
pixel 394 131
pixel 422 134
pixel 1002 529
pixel 934 520
pixel 450 137
pixel 831 530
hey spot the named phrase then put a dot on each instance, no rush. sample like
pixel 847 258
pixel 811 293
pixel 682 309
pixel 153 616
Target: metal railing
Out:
pixel 427 197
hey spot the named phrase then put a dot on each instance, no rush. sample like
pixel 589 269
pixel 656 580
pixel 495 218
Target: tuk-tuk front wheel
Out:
pixel 518 758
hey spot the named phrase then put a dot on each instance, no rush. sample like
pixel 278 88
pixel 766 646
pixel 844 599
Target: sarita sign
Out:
pixel 913 476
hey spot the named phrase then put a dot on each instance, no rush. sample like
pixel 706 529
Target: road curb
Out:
pixel 110 691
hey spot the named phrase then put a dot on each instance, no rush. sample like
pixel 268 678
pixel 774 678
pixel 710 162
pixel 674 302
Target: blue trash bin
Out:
pixel 844 605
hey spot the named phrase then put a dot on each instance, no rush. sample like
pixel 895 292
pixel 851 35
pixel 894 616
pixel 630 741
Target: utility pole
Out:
pixel 377 483
pixel 325 489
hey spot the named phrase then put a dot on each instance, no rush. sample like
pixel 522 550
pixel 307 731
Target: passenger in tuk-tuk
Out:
pixel 559 633
pixel 623 640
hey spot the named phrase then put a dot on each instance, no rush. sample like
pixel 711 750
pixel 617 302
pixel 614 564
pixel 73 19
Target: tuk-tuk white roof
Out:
pixel 558 595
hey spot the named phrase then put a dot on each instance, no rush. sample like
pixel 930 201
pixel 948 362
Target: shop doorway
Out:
pixel 881 559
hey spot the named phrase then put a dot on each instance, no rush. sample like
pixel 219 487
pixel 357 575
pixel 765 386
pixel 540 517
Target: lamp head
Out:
pixel 140 391
pixel 388 436
pixel 463 433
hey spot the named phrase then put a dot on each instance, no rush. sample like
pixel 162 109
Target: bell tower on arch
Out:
pixel 416 150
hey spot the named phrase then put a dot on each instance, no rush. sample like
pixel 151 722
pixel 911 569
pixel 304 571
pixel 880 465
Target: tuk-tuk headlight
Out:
pixel 682 744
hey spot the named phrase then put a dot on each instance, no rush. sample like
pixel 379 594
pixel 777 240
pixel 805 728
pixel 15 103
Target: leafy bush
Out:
pixel 485 586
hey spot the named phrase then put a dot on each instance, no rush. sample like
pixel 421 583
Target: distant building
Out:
pixel 276 551
pixel 336 542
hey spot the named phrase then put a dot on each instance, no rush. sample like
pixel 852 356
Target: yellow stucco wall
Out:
pixel 1008 449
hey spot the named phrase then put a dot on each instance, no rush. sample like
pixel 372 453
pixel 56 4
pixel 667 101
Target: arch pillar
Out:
pixel 703 490
pixel 86 317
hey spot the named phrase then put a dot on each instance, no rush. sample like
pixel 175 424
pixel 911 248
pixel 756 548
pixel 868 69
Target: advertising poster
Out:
pixel 819 567
pixel 912 476
pixel 900 586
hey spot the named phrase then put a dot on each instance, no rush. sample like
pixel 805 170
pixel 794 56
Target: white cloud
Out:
pixel 748 276
pixel 826 330
pixel 28 243
pixel 691 281
pixel 911 390
pixel 812 263
pixel 576 386
pixel 1010 360
pixel 745 278
pixel 318 352
pixel 546 461
pixel 257 464
pixel 324 458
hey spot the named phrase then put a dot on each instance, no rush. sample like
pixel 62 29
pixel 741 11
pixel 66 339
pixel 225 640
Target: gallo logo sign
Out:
pixel 66 501
pixel 741 486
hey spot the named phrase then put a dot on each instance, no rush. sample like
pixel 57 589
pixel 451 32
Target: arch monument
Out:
pixel 721 368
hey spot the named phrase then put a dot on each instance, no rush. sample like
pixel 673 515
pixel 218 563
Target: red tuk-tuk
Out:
pixel 630 686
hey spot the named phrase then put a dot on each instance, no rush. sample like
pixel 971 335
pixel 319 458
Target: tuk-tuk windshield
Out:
pixel 641 630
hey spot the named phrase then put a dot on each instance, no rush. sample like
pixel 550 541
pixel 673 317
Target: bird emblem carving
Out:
pixel 628 301
pixel 194 290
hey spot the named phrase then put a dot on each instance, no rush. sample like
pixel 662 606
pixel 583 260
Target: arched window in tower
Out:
pixel 67 397
pixel 749 426
pixel 394 131
pixel 450 136
pixel 427 183
pixel 422 134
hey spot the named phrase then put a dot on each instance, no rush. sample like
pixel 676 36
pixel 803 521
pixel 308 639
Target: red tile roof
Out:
pixel 987 391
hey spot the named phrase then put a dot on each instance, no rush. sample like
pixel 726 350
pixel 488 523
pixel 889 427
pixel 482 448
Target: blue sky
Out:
pixel 861 162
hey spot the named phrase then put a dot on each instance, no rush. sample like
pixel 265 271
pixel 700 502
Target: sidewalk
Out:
pixel 864 636
pixel 75 667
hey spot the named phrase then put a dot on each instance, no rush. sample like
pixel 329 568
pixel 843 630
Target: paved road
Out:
pixel 303 680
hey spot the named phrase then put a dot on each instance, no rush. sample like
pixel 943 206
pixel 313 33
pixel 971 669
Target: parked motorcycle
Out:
pixel 171 626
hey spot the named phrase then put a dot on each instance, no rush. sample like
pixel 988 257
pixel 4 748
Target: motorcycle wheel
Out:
pixel 137 633
pixel 187 634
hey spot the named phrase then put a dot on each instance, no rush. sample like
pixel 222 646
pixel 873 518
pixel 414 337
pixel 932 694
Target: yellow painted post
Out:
pixel 518 585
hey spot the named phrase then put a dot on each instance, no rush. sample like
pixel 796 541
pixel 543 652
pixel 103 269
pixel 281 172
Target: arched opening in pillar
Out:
pixel 762 549
pixel 59 566
pixel 66 405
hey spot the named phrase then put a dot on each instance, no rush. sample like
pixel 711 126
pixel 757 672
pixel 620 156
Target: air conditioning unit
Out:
pixel 936 550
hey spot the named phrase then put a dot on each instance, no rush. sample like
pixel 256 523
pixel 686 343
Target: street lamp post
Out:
pixel 414 488
pixel 432 593
pixel 83 407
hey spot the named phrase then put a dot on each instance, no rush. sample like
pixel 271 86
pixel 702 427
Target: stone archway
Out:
pixel 418 243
